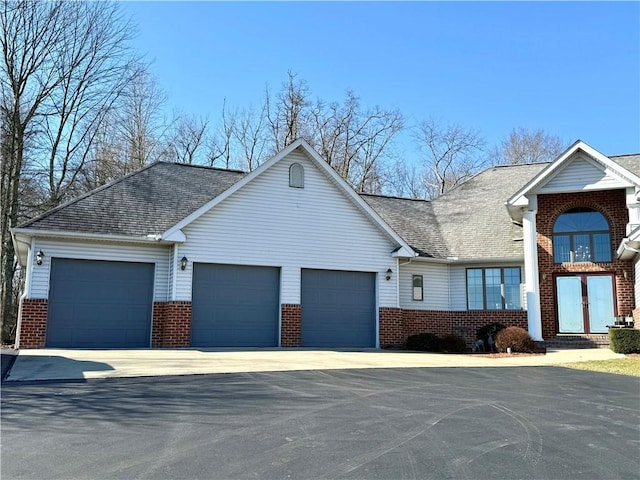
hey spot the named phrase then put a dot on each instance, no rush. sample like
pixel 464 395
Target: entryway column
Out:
pixel 532 282
pixel 634 210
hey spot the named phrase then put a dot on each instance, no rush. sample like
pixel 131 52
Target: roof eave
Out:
pixel 628 249
pixel 35 233
pixel 465 261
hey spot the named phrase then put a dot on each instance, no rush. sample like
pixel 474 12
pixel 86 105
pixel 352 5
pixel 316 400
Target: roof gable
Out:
pixel 598 172
pixel 175 232
pixel 583 174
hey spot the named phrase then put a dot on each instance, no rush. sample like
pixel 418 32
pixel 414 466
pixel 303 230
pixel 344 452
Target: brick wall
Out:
pixel 290 335
pixel 397 324
pixel 171 324
pixel 392 329
pixel 612 204
pixel 33 324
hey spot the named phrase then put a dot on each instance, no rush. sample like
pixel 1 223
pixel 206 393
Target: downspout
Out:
pixel 174 269
pixel 398 282
pixel 27 287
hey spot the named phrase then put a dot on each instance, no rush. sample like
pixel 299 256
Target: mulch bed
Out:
pixel 505 355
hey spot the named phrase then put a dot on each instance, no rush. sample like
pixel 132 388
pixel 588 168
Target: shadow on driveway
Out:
pixel 7 357
pixel 52 367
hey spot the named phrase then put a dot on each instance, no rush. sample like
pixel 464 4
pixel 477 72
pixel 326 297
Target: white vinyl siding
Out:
pixel 39 286
pixel 435 286
pixel 270 224
pixel 579 175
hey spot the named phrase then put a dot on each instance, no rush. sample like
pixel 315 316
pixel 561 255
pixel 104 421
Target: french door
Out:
pixel 585 303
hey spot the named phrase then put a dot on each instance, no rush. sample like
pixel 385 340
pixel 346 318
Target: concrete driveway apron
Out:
pixel 49 364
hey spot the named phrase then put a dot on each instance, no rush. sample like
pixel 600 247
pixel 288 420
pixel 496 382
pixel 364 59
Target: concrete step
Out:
pixel 578 341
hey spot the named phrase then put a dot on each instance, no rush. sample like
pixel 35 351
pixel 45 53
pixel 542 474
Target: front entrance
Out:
pixel 585 303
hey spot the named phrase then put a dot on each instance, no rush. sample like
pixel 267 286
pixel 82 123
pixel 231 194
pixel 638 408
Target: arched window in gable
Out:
pixel 296 175
pixel 581 235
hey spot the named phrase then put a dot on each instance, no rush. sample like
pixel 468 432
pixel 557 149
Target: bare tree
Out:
pixel 450 153
pixel 250 137
pixel 524 146
pixel 408 180
pixel 286 113
pixel 133 133
pixel 63 66
pixel 187 139
pixel 220 141
pixel 353 141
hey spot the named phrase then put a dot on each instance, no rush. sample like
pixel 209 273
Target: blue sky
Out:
pixel 572 69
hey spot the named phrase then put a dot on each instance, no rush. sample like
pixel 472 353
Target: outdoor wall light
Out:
pixel 183 263
pixel 389 272
pixel 39 257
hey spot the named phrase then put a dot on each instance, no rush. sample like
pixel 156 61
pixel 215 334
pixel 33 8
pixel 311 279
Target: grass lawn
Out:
pixel 624 366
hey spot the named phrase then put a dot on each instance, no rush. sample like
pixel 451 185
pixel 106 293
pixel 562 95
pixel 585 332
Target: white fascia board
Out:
pixel 559 163
pixel 21 246
pixel 176 236
pixel 544 174
pixel 30 232
pixel 465 261
pixel 628 249
pixel 230 191
pixel 324 166
pixel 403 253
pixel 407 250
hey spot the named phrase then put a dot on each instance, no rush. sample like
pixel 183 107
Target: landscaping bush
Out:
pixel 453 344
pixel 624 340
pixel 424 342
pixel 483 332
pixel 516 338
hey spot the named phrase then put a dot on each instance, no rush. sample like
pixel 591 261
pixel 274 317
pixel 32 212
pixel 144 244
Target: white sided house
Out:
pixel 290 255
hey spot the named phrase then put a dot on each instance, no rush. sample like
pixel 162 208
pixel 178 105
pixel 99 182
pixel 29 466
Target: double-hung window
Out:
pixel 493 288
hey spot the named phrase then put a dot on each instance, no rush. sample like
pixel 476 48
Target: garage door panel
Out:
pixel 99 304
pixel 235 306
pixel 338 309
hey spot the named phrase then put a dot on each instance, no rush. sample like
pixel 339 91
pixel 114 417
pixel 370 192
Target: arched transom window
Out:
pixel 581 235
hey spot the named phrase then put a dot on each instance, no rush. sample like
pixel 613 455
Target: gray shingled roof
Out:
pixel 473 218
pixel 413 220
pixel 468 222
pixel 146 202
pixel 630 162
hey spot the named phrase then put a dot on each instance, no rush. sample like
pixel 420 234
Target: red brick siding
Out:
pixel 171 324
pixel 290 325
pixel 33 325
pixel 612 204
pixel 397 324
pixel 392 330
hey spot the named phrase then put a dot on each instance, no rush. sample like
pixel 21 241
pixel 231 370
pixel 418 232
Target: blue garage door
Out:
pixel 97 304
pixel 338 309
pixel 235 306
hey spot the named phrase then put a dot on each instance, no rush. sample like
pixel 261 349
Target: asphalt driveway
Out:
pixel 419 423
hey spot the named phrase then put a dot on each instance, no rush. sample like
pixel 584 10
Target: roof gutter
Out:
pixel 30 232
pixel 465 261
pixel 21 238
pixel 628 249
